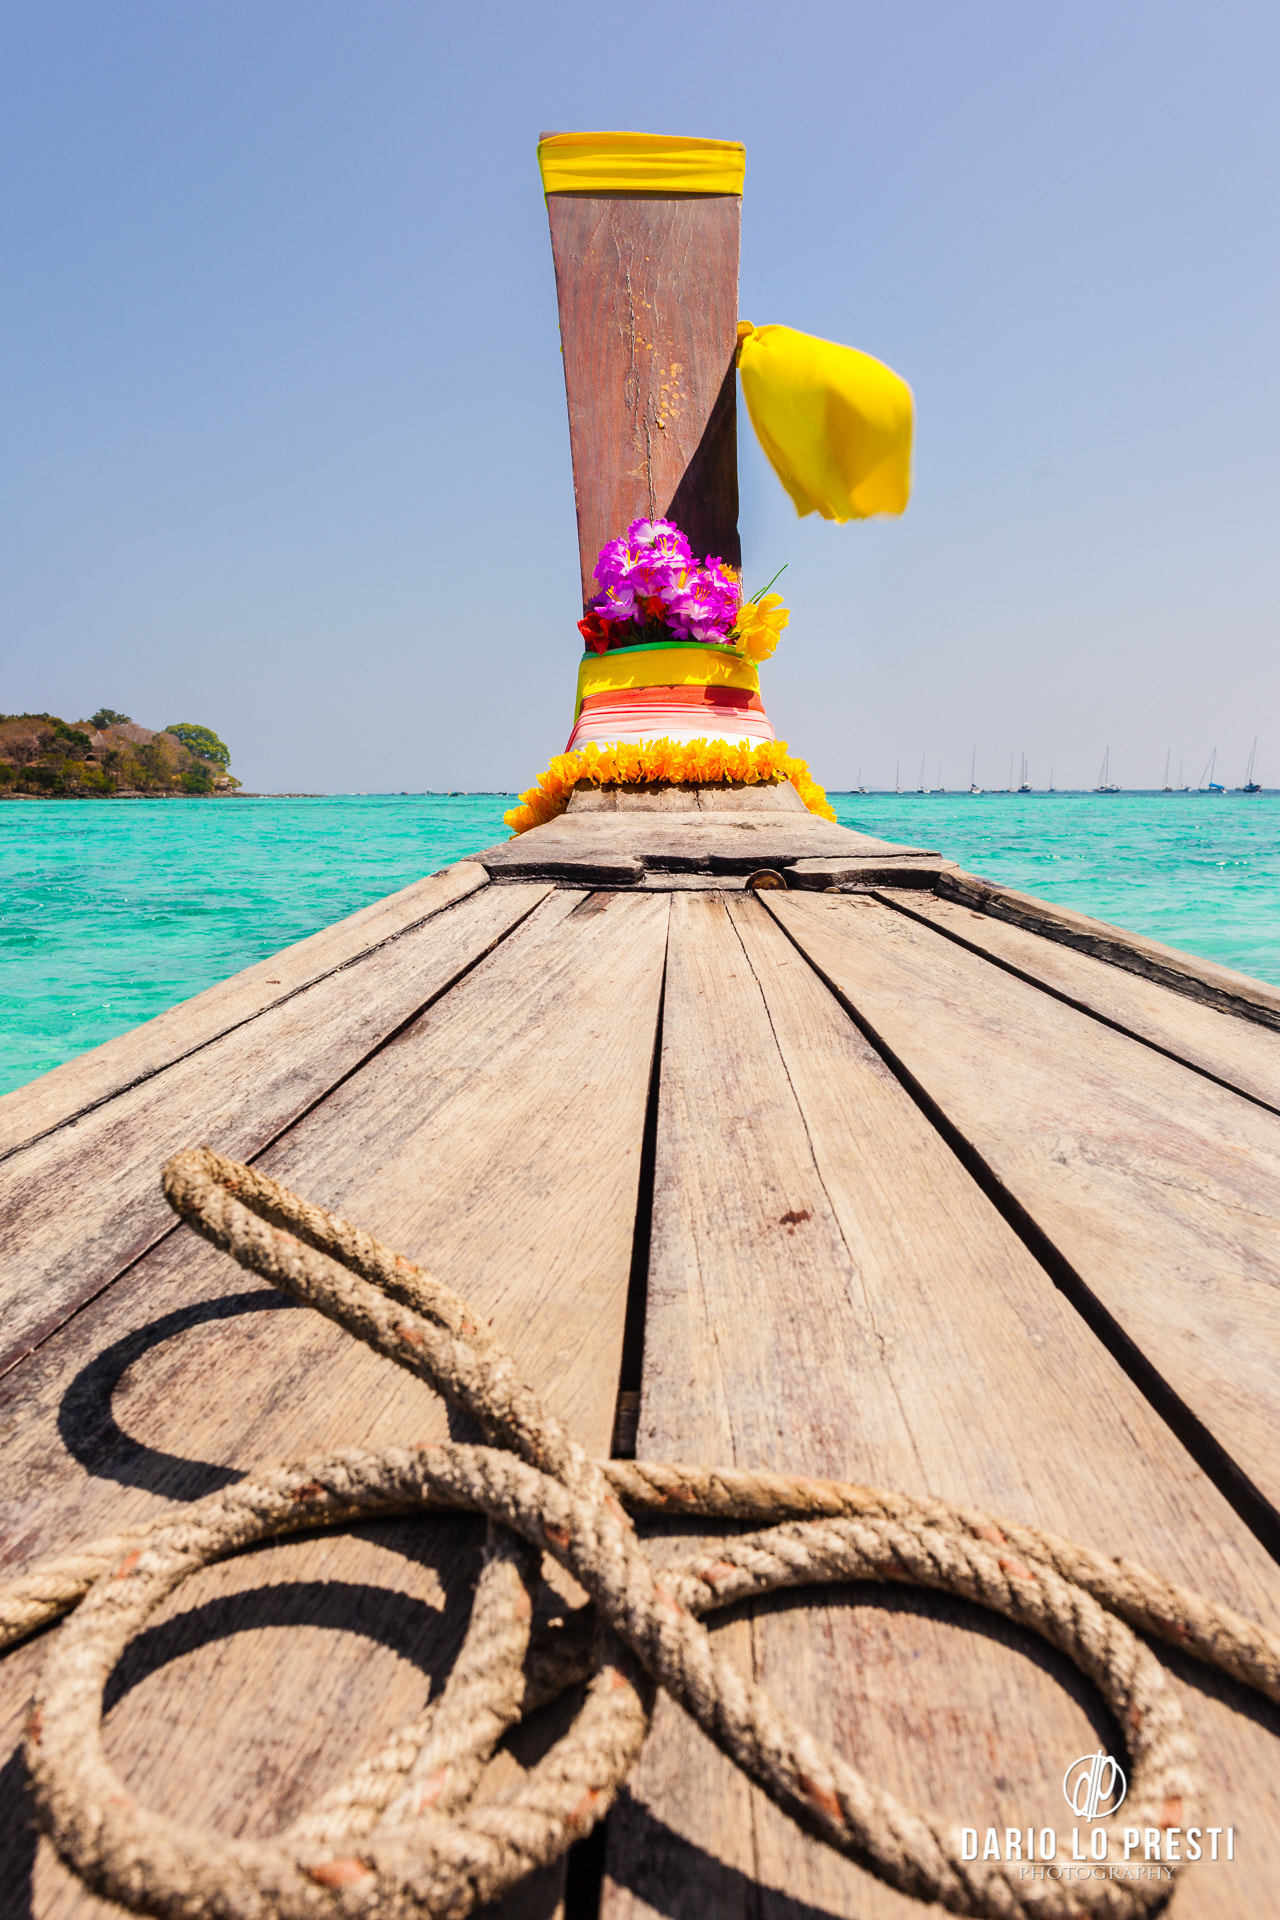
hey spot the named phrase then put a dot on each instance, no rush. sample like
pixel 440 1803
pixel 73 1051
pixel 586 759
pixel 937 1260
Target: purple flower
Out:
pixel 662 536
pixel 706 606
pixel 612 566
pixel 619 603
pixel 651 575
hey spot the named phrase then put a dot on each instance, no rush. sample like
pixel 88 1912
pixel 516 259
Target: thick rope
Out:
pixel 405 1834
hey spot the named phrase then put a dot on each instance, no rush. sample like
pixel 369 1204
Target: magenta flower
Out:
pixel 706 606
pixel 651 575
pixel 662 536
pixel 615 559
pixel 619 603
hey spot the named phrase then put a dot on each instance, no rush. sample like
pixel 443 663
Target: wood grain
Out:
pixel 1159 1189
pixel 727 842
pixel 1186 973
pixel 81 1202
pixel 498 1140
pixel 60 1096
pixel 830 1292
pixel 1239 1052
pixel 648 294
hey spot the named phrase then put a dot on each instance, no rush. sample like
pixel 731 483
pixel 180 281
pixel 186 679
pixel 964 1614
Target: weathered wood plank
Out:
pixel 1236 1051
pixel 1187 973
pixel 681 843
pixel 648 295
pixel 498 1140
pixel 921 871
pixel 830 1292
pixel 238 1092
pixel 71 1089
pixel 1159 1189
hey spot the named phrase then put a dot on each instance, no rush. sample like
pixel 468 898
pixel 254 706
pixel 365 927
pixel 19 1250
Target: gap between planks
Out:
pixel 76 1088
pixel 830 1292
pixel 1150 1192
pixel 239 1093
pixel 498 1139
pixel 1236 1052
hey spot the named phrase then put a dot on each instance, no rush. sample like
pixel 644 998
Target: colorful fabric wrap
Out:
pixel 657 163
pixel 667 690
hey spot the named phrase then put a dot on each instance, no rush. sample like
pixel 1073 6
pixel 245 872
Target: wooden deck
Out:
pixel 899 1183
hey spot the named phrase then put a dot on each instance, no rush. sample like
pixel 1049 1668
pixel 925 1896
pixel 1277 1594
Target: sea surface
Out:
pixel 111 911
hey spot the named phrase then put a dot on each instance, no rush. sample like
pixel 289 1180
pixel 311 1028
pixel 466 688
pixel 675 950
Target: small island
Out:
pixel 110 757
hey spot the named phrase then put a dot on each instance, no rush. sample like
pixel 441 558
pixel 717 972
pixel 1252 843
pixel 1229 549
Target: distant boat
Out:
pixel 1250 784
pixel 939 788
pixel 1105 782
pixel 859 788
pixel 973 774
pixel 1166 788
pixel 1052 788
pixel 920 782
pixel 1207 782
pixel 897 783
pixel 1024 785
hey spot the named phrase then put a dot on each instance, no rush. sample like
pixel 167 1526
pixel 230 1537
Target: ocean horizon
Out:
pixel 116 910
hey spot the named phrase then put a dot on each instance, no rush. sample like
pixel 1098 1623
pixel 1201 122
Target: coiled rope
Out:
pixel 405 1834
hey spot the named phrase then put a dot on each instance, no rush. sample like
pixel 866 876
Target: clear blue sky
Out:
pixel 282 441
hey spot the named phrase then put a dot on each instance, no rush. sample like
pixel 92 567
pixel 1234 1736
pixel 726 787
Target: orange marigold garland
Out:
pixel 698 761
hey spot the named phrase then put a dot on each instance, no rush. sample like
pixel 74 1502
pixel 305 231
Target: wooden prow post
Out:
pixel 648 293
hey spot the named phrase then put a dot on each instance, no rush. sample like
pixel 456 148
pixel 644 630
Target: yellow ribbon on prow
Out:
pixel 659 163
pixel 835 424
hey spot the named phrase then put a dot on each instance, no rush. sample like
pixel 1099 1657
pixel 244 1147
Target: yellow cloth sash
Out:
pixel 835 423
pixel 693 666
pixel 639 163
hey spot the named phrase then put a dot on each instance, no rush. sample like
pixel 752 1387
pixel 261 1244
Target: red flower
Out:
pixel 655 606
pixel 595 632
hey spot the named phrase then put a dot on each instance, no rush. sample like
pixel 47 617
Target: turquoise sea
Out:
pixel 111 911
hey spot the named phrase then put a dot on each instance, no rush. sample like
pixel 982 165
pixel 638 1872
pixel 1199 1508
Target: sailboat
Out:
pixel 920 782
pixel 1207 782
pixel 1250 784
pixel 859 788
pixel 897 781
pixel 939 788
pixel 1052 788
pixel 973 773
pixel 1024 785
pixel 1166 788
pixel 1105 782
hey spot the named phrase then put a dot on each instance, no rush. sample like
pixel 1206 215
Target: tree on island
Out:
pixel 108 717
pixel 201 740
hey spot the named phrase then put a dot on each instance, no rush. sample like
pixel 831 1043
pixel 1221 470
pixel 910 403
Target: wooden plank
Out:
pixel 1236 1051
pixel 71 1089
pixel 892 870
pixel 1185 972
pixel 498 1139
pixel 237 1092
pixel 830 1292
pixel 648 295
pixel 1157 1189
pixel 680 843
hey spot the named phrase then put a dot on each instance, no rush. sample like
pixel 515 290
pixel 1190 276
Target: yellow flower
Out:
pixel 759 624
pixel 626 764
